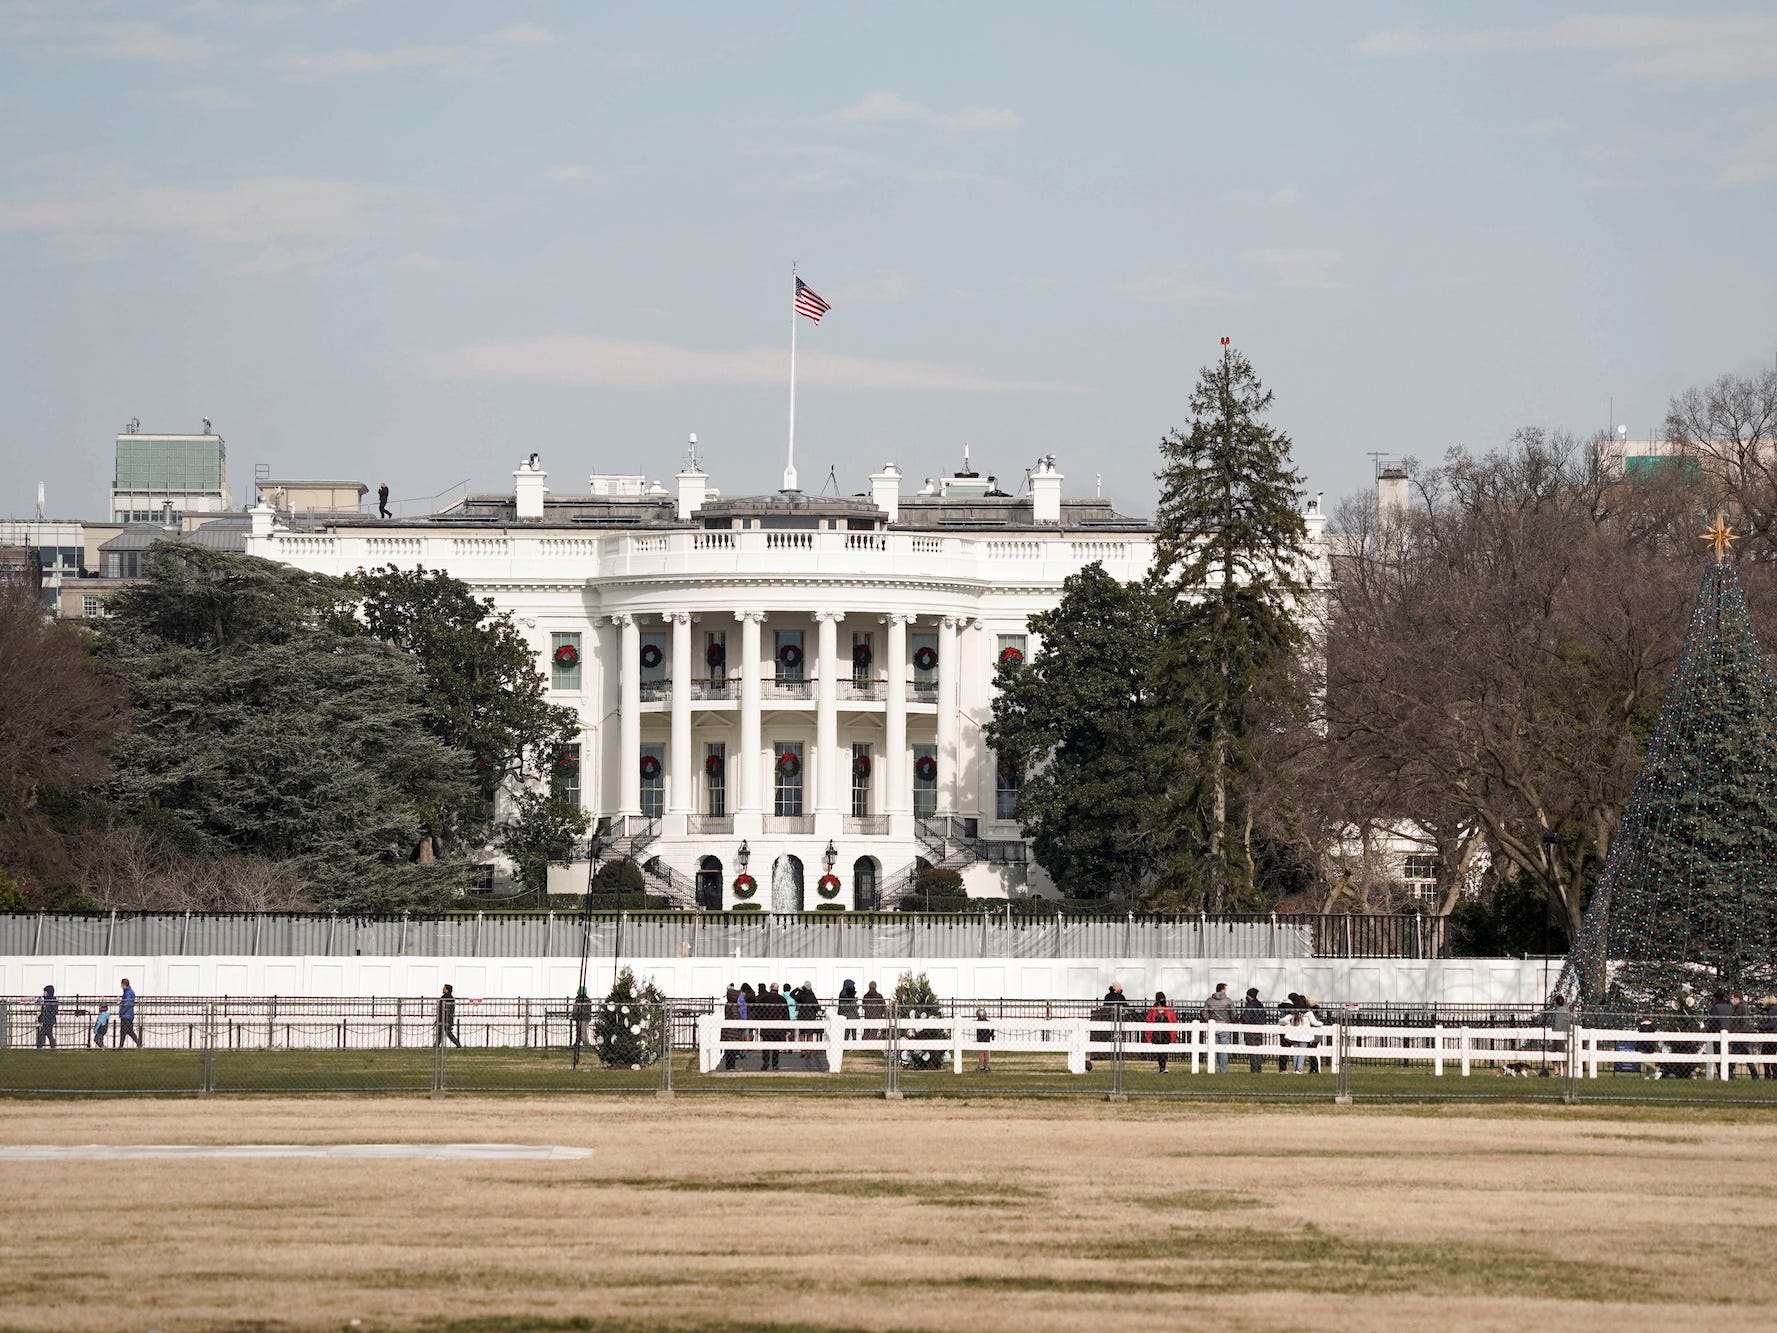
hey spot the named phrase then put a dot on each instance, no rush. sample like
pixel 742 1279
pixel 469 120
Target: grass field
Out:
pixel 515 1069
pixel 801 1212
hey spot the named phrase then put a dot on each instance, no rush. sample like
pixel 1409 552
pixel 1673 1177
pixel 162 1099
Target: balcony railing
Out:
pixel 655 690
pixel 868 826
pixel 785 687
pixel 922 692
pixel 712 823
pixel 715 689
pixel 852 687
pixel 792 824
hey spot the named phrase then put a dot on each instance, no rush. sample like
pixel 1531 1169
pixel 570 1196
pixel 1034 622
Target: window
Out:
pixel 788 652
pixel 925 789
pixel 92 608
pixel 1010 779
pixel 786 765
pixel 715 657
pixel 1012 649
pixel 564 661
pixel 925 649
pixel 1420 873
pixel 653 781
pixel 863 657
pixel 653 661
pixel 860 780
pixel 565 779
pixel 715 779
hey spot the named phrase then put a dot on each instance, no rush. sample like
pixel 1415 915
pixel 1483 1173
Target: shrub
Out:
pixel 939 882
pixel 623 876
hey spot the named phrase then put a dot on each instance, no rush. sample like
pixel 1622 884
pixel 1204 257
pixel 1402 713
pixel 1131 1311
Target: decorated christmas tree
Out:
pixel 1687 902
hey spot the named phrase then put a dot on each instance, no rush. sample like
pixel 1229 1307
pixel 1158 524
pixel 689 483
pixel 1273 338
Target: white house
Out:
pixel 782 698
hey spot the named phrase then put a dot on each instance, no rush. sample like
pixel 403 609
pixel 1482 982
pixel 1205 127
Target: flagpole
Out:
pixel 790 465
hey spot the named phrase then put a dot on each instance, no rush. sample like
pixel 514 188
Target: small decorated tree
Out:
pixel 631 1025
pixel 915 998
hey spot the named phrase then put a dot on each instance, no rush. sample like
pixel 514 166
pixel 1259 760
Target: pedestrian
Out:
pixel 582 1016
pixel 731 1009
pixel 1302 1022
pixel 382 500
pixel 848 1005
pixel 101 1022
pixel 127 1028
pixel 1158 1032
pixel 808 1008
pixel 983 1035
pixel 1251 1013
pixel 788 996
pixel 1113 1009
pixel 749 1008
pixel 874 1007
pixel 446 1023
pixel 1284 1012
pixel 1559 1019
pixel 47 1010
pixel 1219 1009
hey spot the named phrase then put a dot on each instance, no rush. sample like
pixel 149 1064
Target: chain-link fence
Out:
pixel 873 1045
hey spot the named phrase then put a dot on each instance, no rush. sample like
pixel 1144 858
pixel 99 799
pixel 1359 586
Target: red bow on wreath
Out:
pixel 567 655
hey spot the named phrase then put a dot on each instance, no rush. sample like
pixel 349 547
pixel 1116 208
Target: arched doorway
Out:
pixel 866 886
pixel 786 884
pixel 709 884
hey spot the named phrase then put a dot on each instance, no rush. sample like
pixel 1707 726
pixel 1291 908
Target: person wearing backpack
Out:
pixel 1159 1012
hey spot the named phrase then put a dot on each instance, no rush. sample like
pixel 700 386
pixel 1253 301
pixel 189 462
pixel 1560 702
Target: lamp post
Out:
pixel 743 856
pixel 829 856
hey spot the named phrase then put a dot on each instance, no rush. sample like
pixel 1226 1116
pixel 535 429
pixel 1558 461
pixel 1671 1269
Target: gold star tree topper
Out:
pixel 1720 536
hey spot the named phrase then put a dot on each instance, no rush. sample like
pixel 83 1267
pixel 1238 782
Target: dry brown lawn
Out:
pixel 816 1213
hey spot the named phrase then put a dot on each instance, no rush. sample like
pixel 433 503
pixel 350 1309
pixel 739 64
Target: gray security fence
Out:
pixel 723 935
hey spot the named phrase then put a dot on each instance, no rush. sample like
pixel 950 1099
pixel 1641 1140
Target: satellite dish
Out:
pixel 1622 432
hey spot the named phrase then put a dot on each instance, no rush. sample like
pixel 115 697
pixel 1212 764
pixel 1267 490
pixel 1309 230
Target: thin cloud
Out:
pixel 892 108
pixel 574 359
pixel 147 43
pixel 1753 161
pixel 1172 286
pixel 461 59
pixel 1298 270
pixel 567 171
pixel 256 210
pixel 418 263
pixel 1284 198
pixel 886 284
pixel 1702 50
pixel 210 99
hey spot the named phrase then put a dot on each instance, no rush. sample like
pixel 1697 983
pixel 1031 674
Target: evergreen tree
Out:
pixel 1687 901
pixel 267 725
pixel 1073 721
pixel 484 696
pixel 631 1025
pixel 1231 573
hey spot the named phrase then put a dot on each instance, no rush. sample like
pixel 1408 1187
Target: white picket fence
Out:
pixel 1196 1045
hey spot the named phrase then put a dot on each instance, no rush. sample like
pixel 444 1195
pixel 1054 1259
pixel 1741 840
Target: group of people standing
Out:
pixel 49 1014
pixel 777 1008
pixel 1297 1014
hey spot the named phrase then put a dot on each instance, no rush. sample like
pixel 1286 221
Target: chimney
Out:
pixel 885 490
pixel 528 488
pixel 693 483
pixel 1045 491
pixel 1391 493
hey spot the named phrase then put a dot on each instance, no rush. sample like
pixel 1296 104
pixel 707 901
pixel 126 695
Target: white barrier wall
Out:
pixel 1405 980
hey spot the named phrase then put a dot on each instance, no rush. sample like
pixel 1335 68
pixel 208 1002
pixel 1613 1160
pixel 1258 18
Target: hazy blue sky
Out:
pixel 415 241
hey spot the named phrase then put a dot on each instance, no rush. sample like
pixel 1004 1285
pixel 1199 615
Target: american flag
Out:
pixel 807 303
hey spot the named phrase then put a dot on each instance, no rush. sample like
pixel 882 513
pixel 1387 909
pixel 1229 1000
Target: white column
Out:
pixel 680 772
pixel 828 766
pixel 947 748
pixel 896 793
pixel 629 716
pixel 748 812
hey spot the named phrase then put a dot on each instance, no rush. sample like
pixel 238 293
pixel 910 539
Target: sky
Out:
pixel 415 242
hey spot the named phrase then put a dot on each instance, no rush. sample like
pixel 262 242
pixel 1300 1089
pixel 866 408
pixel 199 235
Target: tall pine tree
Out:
pixel 1231 571
pixel 1687 901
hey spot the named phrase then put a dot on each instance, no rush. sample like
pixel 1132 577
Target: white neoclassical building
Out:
pixel 782 698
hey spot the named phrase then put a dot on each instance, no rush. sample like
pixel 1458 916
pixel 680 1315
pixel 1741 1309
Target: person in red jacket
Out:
pixel 1160 1012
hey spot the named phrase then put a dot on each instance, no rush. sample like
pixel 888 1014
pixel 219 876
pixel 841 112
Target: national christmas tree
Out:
pixel 1685 905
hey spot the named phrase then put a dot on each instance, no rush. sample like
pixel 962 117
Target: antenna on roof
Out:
pixel 832 479
pixel 691 454
pixel 207 430
pixel 40 502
